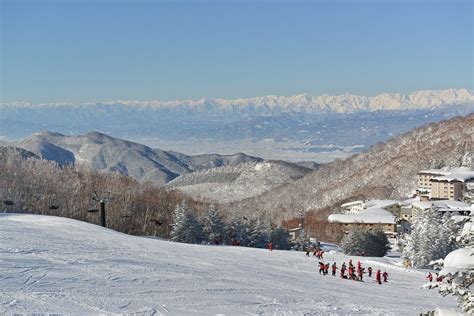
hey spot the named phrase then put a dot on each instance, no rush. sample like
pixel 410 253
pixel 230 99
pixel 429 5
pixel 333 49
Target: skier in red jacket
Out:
pixel 270 246
pixel 378 277
pixel 343 272
pixel 360 273
pixel 334 269
pixel 322 266
pixel 429 277
pixel 385 276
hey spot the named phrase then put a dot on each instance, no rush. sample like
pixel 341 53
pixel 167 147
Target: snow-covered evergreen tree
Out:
pixel 354 243
pixel 186 227
pixel 238 230
pixel 431 239
pixel 259 232
pixel 378 244
pixel 373 243
pixel 279 238
pixel 214 227
pixel 458 269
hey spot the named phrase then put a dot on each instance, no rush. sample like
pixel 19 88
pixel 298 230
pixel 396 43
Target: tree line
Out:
pixel 37 186
pixel 212 228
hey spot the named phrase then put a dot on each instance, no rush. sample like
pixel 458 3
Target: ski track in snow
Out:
pixel 58 265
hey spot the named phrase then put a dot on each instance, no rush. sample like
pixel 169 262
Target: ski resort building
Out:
pixel 369 218
pixel 294 233
pixel 451 186
pixel 445 206
pixel 353 207
pixel 437 184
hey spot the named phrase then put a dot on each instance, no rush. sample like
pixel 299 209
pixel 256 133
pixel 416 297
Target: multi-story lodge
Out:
pixel 437 184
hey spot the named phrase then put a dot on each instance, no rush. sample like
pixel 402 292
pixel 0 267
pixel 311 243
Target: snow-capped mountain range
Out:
pixel 346 103
pixel 295 128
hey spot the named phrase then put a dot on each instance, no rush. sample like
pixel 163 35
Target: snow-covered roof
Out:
pixel 460 174
pixel 424 205
pixel 368 216
pixel 409 202
pixel 380 203
pixel 449 205
pixel 349 204
pixel 434 172
pixel 296 229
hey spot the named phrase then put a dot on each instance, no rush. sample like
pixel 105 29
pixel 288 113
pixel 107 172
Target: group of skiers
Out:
pixel 353 273
pixel 318 253
pixel 438 278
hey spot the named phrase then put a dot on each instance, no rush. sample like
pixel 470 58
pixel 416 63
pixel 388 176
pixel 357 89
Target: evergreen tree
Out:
pixel 259 232
pixel 354 243
pixel 373 243
pixel 458 267
pixel 431 239
pixel 178 229
pixel 238 230
pixel 186 228
pixel 279 238
pixel 378 244
pixel 214 228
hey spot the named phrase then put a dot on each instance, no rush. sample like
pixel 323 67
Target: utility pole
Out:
pixel 302 219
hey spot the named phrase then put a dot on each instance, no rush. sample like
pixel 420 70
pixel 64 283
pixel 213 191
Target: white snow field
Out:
pixel 58 265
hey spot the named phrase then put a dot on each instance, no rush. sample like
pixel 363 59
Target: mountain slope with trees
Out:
pixel 387 170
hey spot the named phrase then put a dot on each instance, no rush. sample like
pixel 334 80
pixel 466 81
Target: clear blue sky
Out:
pixel 101 50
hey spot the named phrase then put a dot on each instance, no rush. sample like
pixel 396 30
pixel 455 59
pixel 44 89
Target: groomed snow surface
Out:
pixel 58 265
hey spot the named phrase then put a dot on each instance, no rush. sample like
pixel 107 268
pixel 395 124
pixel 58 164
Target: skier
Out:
pixel 351 272
pixel 270 246
pixel 326 268
pixel 307 253
pixel 321 254
pixel 439 278
pixel 334 268
pixel 343 272
pixel 360 272
pixel 321 267
pixel 378 277
pixel 385 276
pixel 429 277
pixel 370 271
pixel 350 262
pixel 358 265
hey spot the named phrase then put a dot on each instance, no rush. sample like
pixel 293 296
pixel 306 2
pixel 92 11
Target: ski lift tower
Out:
pixel 101 210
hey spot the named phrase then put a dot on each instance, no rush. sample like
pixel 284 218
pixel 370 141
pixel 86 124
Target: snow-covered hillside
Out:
pixel 233 183
pixel 58 265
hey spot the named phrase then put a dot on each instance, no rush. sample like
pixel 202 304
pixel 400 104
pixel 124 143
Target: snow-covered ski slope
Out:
pixel 58 265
